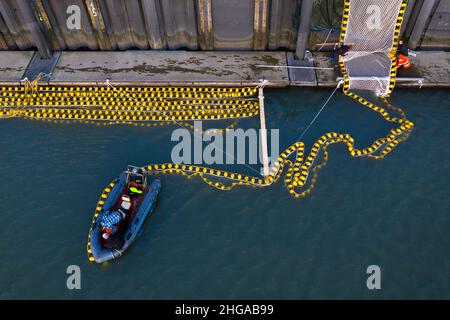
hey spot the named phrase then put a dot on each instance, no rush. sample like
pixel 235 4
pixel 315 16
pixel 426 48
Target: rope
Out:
pixel 323 44
pixel 323 106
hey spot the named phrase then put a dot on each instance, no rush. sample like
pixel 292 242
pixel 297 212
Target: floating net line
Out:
pixel 127 104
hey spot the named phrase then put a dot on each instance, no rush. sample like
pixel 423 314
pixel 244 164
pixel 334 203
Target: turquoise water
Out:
pixel 245 243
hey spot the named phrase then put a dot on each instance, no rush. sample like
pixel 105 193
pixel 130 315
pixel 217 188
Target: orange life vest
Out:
pixel 403 61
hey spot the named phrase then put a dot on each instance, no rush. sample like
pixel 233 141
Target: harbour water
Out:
pixel 247 243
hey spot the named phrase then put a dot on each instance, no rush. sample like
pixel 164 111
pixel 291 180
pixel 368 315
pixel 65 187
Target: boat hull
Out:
pixel 102 254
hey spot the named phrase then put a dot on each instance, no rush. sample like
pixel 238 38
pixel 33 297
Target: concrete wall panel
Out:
pixel 187 24
pixel 437 34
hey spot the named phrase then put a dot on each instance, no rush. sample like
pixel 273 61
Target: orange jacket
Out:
pixel 403 61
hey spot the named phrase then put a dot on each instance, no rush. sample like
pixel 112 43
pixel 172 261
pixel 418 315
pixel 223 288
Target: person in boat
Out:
pixel 402 55
pixel 110 224
pixel 135 186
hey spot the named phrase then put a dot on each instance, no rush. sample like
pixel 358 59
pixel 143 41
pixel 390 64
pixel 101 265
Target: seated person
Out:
pixel 135 186
pixel 402 55
pixel 403 48
pixel 110 221
pixel 108 225
pixel 125 206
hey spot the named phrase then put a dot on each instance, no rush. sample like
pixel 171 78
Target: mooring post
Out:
pixel 303 28
pixel 32 25
pixel 262 117
pixel 421 23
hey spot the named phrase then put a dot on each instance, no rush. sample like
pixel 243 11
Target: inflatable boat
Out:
pixel 133 200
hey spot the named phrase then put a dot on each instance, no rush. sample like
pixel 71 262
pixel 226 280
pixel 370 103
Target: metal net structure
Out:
pixel 371 30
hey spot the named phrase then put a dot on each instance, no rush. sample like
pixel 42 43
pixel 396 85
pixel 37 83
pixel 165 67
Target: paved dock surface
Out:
pixel 170 68
pixel 13 65
pixel 325 78
pixel 433 66
pixel 195 68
